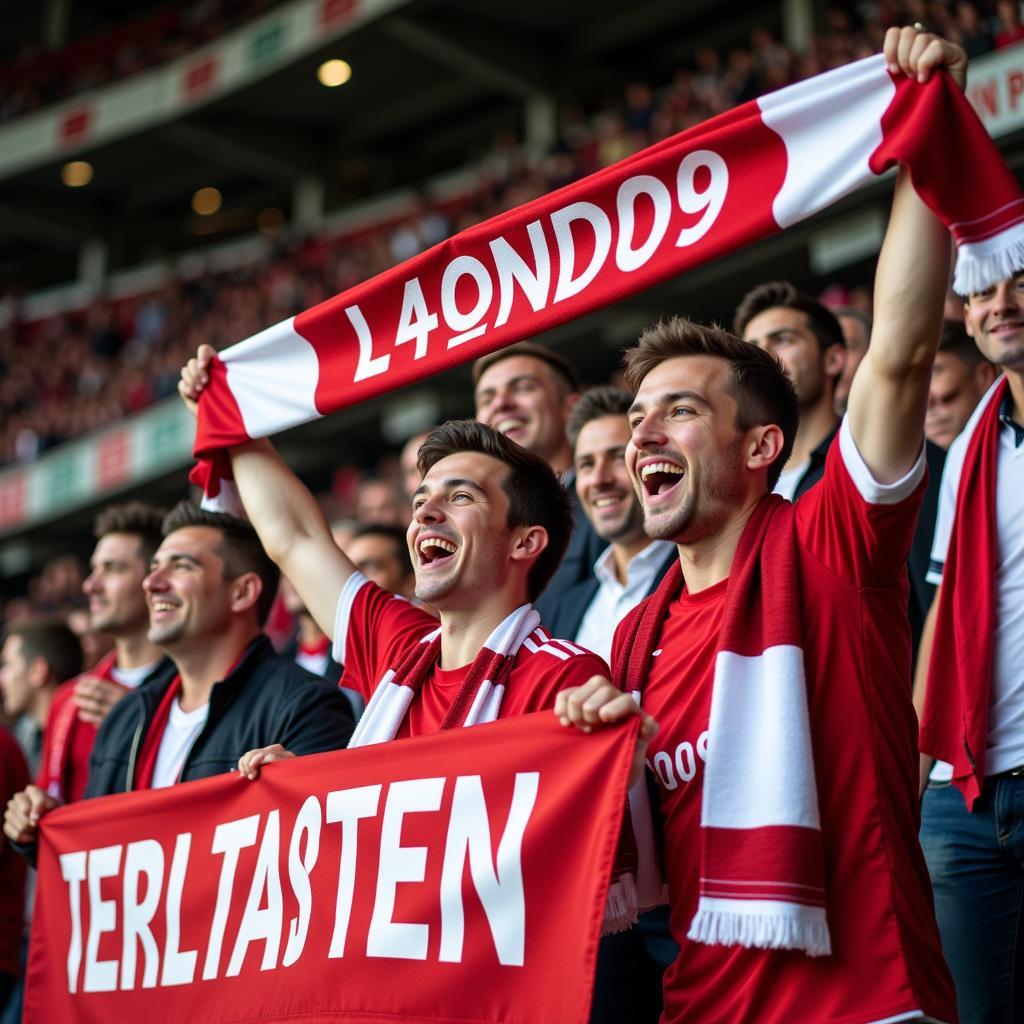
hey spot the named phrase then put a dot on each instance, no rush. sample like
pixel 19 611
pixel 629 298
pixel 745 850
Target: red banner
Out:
pixel 459 878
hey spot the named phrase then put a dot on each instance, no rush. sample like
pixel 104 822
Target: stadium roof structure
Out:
pixel 432 81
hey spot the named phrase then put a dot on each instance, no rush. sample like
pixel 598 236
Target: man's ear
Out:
pixel 39 672
pixel 245 592
pixel 528 542
pixel 834 361
pixel 763 445
pixel 984 373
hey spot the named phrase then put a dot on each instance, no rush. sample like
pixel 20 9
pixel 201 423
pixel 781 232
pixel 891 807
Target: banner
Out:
pixel 459 877
pixel 681 203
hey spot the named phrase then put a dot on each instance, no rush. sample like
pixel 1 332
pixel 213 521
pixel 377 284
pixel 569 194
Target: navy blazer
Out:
pixel 567 618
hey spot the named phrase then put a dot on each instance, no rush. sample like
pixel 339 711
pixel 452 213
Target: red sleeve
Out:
pixel 379 628
pixel 857 528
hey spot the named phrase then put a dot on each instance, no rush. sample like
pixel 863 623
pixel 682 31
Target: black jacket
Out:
pixel 578 564
pixel 567 618
pixel 265 699
pixel 921 591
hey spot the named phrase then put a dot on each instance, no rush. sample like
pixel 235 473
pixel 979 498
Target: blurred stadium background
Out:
pixel 177 174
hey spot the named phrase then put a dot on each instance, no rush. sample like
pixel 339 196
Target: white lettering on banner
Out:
pixel 72 870
pixel 143 863
pixel 101 975
pixel 416 321
pixel 179 964
pixel 494 875
pixel 680 766
pixel 501 891
pixel 699 188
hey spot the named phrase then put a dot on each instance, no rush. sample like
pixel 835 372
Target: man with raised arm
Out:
pixel 776 658
pixel 490 523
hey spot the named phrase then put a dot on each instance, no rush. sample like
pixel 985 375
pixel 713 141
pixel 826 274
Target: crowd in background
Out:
pixel 67 375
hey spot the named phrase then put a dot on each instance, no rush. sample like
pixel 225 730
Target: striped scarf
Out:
pixel 762 876
pixel 478 700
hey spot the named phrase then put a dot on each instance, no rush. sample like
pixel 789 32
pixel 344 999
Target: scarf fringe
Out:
pixel 806 930
pixel 976 271
pixel 620 909
pixel 227 499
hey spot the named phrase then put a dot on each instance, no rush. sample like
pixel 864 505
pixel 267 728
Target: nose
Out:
pixel 428 512
pixel 155 581
pixel 89 583
pixel 601 473
pixel 647 432
pixel 1007 299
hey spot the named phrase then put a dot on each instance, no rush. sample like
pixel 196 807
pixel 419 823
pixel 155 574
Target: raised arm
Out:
pixel 283 512
pixel 890 392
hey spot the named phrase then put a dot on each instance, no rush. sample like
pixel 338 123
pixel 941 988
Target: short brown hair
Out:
pixel 760 386
pixel 395 534
pixel 564 372
pixel 781 294
pixel 595 404
pixel 536 496
pixel 50 639
pixel 240 548
pixel 135 518
pixel 955 341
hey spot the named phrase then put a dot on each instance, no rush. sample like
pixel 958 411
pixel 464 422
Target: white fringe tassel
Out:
pixel 806 930
pixel 620 909
pixel 982 264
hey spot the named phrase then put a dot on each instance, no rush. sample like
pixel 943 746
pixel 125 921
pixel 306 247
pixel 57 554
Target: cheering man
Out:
pixel 490 524
pixel 776 657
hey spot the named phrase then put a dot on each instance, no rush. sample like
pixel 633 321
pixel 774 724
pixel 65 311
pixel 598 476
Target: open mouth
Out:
pixel 659 478
pixel 509 425
pixel 160 609
pixel 435 551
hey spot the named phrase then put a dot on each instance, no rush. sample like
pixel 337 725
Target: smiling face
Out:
pixel 117 604
pixel 786 333
pixel 602 480
pixel 188 597
pixel 520 398
pixel 994 318
pixel 685 454
pixel 459 538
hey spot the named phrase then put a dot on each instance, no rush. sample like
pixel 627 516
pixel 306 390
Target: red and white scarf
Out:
pixel 55 771
pixel 762 875
pixel 721 185
pixel 954 725
pixel 479 698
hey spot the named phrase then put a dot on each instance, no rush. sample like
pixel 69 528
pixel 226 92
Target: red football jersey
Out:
pixel 853 536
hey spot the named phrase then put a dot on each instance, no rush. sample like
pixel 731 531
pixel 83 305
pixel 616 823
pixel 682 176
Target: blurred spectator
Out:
pixel 13 778
pixel 94 643
pixel 1008 26
pixel 960 376
pixel 856 327
pixel 379 502
pixel 407 464
pixel 380 552
pixel 37 656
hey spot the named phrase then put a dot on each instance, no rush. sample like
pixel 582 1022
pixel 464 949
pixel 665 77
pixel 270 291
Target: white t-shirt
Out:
pixel 1005 748
pixel 131 677
pixel 182 729
pixel 788 479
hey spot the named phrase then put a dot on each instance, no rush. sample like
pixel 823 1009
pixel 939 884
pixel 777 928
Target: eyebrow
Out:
pixel 449 483
pixel 669 398
pixel 175 556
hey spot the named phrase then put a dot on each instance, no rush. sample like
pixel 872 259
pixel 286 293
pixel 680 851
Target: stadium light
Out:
pixel 76 173
pixel 333 73
pixel 206 201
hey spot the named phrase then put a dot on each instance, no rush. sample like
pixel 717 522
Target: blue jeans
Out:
pixel 976 862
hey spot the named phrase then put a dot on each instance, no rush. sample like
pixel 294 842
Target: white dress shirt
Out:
pixel 613 600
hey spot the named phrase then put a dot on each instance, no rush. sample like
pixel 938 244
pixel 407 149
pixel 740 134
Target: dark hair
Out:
pixel 50 639
pixel 594 404
pixel 536 496
pixel 761 387
pixel 564 373
pixel 135 518
pixel 820 319
pixel 240 548
pixel 393 533
pixel 955 341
